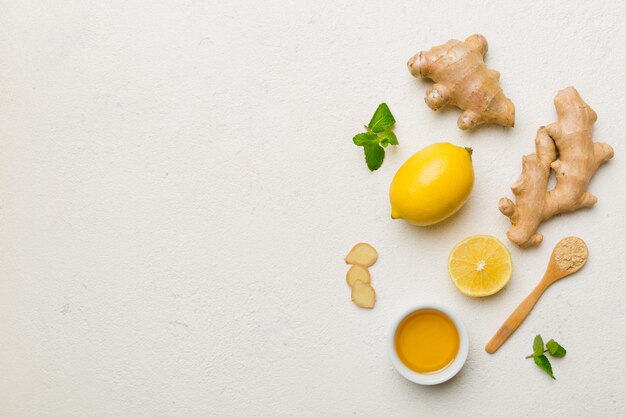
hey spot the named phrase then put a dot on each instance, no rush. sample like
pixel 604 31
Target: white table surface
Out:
pixel 178 189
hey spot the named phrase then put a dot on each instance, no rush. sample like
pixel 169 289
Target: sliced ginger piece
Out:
pixel 362 254
pixel 363 295
pixel 358 272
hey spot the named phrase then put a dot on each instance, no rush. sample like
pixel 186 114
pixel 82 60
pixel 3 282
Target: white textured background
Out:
pixel 178 189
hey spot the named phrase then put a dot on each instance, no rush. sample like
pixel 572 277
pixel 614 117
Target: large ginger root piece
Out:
pixel 578 159
pixel 462 79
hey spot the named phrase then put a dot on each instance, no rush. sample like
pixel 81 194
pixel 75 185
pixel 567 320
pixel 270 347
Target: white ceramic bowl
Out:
pixel 442 375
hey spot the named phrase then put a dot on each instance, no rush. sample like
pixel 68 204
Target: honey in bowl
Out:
pixel 427 341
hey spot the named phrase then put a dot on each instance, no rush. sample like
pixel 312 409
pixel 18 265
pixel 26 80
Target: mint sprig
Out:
pixel 552 347
pixel 378 136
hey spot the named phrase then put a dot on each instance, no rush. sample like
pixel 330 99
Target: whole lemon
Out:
pixel 432 185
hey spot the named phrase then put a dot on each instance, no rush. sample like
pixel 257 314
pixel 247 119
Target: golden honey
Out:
pixel 427 341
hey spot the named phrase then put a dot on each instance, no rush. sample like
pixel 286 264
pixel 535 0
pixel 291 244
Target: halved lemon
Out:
pixel 480 265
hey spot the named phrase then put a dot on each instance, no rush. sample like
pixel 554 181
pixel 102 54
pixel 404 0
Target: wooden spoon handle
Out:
pixel 515 319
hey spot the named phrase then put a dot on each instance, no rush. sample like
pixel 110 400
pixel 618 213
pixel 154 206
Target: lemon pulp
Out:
pixel 480 265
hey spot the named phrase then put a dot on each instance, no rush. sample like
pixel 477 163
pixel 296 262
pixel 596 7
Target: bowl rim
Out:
pixel 442 375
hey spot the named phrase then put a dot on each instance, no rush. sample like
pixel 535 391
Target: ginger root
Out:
pixel 462 79
pixel 579 158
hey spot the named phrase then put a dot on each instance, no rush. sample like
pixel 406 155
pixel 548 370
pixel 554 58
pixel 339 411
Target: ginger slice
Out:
pixel 567 147
pixel 358 272
pixel 363 295
pixel 362 254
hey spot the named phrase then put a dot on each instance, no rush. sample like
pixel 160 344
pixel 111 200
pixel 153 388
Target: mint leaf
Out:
pixel 538 346
pixel 540 359
pixel 374 156
pixel 544 364
pixel 382 119
pixel 555 349
pixel 388 138
pixel 377 137
pixel 365 138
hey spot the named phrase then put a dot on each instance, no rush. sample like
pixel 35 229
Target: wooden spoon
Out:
pixel 569 255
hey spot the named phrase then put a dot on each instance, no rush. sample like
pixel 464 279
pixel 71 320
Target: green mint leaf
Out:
pixel 544 364
pixel 374 156
pixel 388 138
pixel 377 137
pixel 555 349
pixel 538 346
pixel 365 138
pixel 382 119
